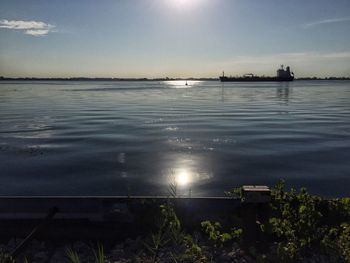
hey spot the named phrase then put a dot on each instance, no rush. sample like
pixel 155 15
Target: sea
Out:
pixel 114 138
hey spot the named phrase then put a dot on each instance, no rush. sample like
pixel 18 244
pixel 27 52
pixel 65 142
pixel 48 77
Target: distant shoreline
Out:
pixel 144 79
pixel 109 79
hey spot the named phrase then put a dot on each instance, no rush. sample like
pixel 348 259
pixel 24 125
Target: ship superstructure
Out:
pixel 282 75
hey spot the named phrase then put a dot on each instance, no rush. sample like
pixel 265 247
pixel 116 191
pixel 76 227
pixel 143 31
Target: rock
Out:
pixel 224 258
pixel 240 252
pixel 249 259
pixel 232 254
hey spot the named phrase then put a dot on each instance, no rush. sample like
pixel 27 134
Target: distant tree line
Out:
pixel 326 78
pixel 104 79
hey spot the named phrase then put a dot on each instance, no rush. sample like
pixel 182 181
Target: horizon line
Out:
pixel 2 78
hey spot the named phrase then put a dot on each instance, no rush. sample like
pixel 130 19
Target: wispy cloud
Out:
pixel 37 32
pixel 327 21
pixel 305 62
pixel 293 57
pixel 34 28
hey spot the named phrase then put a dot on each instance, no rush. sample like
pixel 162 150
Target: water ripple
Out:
pixel 115 138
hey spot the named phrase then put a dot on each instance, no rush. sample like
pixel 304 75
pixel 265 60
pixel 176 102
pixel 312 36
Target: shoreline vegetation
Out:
pixel 143 79
pixel 294 226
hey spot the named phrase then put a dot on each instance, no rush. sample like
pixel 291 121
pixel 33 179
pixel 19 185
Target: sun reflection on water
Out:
pixel 181 84
pixel 183 177
pixel 185 173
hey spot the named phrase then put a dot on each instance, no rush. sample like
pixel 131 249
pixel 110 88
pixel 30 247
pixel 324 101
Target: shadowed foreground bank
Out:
pixel 290 227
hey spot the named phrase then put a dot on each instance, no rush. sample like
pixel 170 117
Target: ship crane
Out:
pixel 282 75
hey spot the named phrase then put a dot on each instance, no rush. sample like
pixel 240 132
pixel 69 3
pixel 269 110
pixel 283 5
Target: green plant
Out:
pixel 72 255
pixel 99 254
pixel 170 237
pixel 168 231
pixel 343 241
pixel 193 252
pixel 338 239
pixel 6 258
pixel 236 192
pixel 158 240
pixel 217 239
pixel 215 235
pixel 296 221
pixel 172 188
pixel 302 223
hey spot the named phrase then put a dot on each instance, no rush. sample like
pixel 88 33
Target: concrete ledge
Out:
pixel 103 217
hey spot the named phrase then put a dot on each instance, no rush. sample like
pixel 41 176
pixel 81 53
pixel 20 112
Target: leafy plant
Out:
pixel 236 192
pixel 302 223
pixel 338 239
pixel 218 238
pixel 296 222
pixel 343 241
pixel 168 231
pixel 193 252
pixel 171 238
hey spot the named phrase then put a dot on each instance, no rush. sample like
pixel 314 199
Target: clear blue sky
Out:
pixel 174 38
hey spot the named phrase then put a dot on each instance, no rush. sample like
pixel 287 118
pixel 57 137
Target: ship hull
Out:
pixel 254 79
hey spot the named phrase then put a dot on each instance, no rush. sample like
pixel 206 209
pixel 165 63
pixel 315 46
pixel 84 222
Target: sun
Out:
pixel 181 2
pixel 184 4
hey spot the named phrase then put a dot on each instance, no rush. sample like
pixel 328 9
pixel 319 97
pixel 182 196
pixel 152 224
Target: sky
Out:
pixel 173 38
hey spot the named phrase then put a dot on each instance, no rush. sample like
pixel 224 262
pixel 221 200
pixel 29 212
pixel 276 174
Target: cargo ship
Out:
pixel 282 75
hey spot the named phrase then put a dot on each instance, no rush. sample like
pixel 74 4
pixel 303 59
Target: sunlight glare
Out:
pixel 183 177
pixel 181 84
pixel 184 4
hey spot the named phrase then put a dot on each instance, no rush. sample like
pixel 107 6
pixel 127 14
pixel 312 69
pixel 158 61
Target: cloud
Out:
pixel 34 28
pixel 40 32
pixel 293 57
pixel 327 21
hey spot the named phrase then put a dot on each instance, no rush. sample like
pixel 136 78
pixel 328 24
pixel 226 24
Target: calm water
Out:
pixel 118 138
